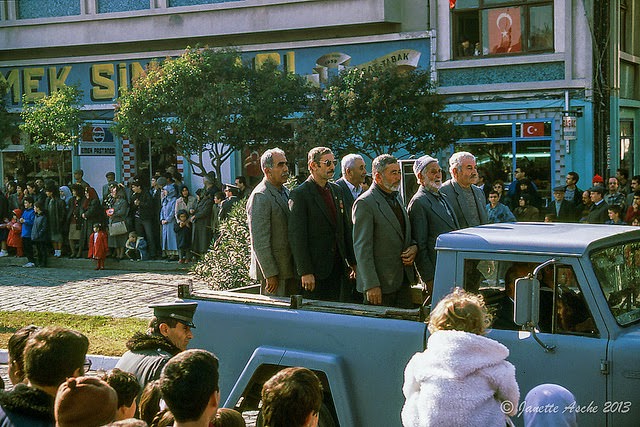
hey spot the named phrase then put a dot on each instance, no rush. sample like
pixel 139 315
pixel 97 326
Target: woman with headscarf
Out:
pixel 118 212
pixel 555 399
pixel 168 219
pixel 186 201
pixel 65 194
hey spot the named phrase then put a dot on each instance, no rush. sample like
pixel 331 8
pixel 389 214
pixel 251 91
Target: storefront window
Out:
pixel 499 27
pixel 502 147
pixel 25 169
pixel 626 145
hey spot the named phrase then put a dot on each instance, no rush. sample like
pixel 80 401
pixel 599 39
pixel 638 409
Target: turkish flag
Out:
pixel 505 32
pixel 452 4
pixel 532 129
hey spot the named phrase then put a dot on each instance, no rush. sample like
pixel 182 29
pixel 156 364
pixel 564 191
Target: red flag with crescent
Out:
pixel 505 32
pixel 452 4
pixel 532 129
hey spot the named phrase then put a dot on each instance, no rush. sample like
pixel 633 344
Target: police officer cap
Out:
pixel 181 311
pixel 422 163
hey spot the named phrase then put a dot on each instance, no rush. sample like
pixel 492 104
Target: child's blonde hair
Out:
pixel 461 311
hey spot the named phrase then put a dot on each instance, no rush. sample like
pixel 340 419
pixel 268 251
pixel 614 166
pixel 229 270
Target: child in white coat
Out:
pixel 462 378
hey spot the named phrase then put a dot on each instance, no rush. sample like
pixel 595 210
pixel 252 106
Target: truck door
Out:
pixel 577 334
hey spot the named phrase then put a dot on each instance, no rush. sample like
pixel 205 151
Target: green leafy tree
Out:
pixel 385 110
pixel 227 266
pixel 7 120
pixel 208 102
pixel 53 123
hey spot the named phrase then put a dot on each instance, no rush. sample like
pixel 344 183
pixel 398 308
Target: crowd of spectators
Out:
pixel 167 386
pixel 617 204
pixel 164 219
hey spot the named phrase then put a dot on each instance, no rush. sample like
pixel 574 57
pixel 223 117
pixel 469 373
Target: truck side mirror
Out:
pixel 527 301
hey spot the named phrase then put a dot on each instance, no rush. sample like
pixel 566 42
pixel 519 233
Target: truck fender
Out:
pixel 331 365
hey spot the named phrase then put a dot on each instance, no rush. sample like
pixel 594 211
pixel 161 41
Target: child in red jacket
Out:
pixel 98 246
pixel 14 240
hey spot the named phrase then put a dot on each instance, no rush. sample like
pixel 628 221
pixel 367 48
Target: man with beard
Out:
pixel 382 239
pixel 467 200
pixel 430 214
pixel 268 218
pixel 168 334
pixel 319 229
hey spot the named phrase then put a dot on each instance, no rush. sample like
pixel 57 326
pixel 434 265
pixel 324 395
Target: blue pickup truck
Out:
pixel 578 314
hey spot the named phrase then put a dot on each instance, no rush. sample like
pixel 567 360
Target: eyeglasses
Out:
pixel 86 366
pixel 328 163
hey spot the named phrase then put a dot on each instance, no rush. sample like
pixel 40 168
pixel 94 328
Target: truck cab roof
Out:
pixel 535 237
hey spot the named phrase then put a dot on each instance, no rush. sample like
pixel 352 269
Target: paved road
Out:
pixel 115 293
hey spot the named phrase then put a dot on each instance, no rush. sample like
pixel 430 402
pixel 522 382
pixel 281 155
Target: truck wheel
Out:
pixel 325 419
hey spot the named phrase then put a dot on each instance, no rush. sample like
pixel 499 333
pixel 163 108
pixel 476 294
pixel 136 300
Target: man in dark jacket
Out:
pixel 599 211
pixel 51 355
pixel 144 216
pixel 169 333
pixel 319 230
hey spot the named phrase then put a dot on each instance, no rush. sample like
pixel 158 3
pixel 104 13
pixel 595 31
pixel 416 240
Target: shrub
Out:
pixel 226 265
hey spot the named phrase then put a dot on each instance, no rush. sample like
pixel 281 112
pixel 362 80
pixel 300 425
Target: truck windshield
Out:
pixel 618 271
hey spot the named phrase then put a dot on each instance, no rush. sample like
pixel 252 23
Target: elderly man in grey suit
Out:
pixel 382 239
pixel 431 215
pixel 468 201
pixel 268 218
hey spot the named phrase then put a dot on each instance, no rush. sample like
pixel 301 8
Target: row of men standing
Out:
pixel 329 234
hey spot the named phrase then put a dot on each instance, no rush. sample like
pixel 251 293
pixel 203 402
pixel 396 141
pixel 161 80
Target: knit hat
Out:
pixel 85 401
pixel 422 163
pixel 597 178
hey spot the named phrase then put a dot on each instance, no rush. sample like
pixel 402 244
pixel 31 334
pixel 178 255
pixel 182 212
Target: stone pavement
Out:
pixel 75 288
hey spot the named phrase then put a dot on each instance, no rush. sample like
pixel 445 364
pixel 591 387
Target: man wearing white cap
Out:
pixel 430 214
pixel 168 334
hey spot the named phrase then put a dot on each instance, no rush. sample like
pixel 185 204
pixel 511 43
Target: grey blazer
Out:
pixel 456 199
pixel 429 219
pixel 268 218
pixel 378 242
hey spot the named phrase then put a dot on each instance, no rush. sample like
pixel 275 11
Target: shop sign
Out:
pixel 96 140
pixel 569 128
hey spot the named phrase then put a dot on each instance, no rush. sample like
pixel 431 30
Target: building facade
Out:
pixel 549 85
pixel 102 45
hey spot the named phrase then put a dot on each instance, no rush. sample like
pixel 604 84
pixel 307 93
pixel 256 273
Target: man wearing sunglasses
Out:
pixel 319 230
